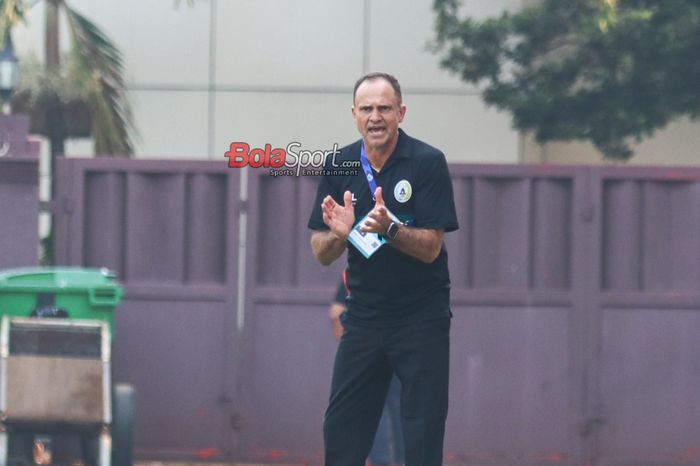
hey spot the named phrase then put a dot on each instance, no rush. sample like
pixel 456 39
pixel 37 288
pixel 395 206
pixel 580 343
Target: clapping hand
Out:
pixel 378 219
pixel 339 218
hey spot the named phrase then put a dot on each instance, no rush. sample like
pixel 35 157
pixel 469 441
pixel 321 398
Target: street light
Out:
pixel 9 73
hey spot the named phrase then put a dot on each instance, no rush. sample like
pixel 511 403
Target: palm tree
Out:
pixel 80 94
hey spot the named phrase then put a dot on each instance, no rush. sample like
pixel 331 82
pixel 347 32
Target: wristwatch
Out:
pixel 392 231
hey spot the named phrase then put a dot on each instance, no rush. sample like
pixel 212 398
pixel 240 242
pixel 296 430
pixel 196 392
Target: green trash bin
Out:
pixel 83 293
pixel 39 351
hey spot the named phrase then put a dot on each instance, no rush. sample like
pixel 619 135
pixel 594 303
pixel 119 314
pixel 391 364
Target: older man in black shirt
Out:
pixel 391 218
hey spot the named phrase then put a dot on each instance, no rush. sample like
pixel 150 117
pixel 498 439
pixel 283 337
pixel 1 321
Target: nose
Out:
pixel 375 115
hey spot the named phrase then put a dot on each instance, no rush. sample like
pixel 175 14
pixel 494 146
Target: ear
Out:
pixel 402 112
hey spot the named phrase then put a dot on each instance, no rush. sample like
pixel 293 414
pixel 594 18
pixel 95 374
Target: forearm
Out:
pixel 420 243
pixel 327 246
pixel 335 311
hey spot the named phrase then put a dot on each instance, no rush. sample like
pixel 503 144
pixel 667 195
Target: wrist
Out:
pixel 392 231
pixel 338 237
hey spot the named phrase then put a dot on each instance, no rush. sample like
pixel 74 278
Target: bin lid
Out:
pixel 57 278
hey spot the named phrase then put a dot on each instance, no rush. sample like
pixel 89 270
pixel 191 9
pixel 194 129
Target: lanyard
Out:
pixel 371 182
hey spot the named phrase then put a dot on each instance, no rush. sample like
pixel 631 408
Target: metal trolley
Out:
pixel 55 378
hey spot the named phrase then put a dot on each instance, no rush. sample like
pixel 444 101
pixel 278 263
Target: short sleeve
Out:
pixel 434 204
pixel 324 189
pixel 340 293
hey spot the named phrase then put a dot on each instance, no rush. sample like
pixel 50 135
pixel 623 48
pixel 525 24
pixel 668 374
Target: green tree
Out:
pixel 80 94
pixel 607 71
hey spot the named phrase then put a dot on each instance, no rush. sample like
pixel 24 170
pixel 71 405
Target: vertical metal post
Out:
pixel 105 446
pixel 106 432
pixel 3 444
pixel 4 353
pixel 106 375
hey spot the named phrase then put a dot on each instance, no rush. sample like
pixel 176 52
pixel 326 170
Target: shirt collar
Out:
pixel 401 146
pixel 400 151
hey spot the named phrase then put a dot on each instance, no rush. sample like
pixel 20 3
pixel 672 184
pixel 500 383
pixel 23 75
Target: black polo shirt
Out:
pixel 390 287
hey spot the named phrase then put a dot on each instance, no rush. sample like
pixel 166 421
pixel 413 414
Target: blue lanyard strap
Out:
pixel 367 168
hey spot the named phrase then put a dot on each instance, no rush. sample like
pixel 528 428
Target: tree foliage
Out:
pixel 100 64
pixel 87 85
pixel 607 71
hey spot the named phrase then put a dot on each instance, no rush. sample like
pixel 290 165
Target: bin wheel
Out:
pixel 123 425
pixel 20 448
pixel 122 431
pixel 90 448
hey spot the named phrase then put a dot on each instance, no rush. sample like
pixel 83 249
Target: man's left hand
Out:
pixel 378 219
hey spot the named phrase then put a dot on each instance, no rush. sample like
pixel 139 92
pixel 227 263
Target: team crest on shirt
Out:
pixel 403 191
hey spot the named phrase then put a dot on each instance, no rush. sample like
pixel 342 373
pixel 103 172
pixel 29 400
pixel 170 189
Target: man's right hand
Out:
pixel 339 218
pixel 328 245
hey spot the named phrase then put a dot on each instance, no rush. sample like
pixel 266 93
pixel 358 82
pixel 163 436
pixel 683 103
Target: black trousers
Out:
pixel 364 364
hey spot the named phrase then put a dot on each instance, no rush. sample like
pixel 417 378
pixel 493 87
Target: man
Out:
pixel 391 218
pixel 387 448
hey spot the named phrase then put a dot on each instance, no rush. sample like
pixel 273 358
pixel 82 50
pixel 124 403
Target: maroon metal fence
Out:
pixel 170 231
pixel 19 210
pixel 19 194
pixel 576 293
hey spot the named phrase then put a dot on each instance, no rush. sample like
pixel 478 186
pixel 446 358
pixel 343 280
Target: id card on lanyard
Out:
pixel 367 243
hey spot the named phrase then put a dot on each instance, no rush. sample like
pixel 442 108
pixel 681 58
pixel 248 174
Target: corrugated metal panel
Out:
pixel 513 391
pixel 649 318
pixel 170 231
pixel 289 345
pixel 19 212
pixel 19 194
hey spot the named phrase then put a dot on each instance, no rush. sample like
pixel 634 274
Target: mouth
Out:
pixel 376 130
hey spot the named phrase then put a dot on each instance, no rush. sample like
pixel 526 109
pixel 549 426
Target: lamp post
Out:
pixel 9 73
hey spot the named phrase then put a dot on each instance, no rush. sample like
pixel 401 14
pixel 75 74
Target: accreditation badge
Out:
pixel 366 243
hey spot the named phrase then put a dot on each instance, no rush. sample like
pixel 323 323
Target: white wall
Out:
pixel 277 71
pixel 677 144
pixel 282 70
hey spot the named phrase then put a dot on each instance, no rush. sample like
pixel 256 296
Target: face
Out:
pixel 377 114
